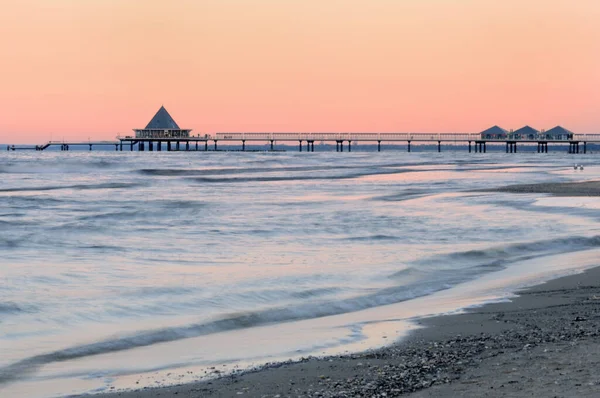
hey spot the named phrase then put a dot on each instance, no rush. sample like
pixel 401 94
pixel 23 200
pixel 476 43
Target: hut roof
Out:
pixel 162 120
pixel 526 130
pixel 558 130
pixel 494 130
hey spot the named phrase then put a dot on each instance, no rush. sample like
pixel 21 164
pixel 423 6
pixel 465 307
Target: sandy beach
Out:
pixel 586 188
pixel 543 343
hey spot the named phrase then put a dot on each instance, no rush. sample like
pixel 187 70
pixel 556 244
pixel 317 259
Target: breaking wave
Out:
pixel 421 281
pixel 235 321
pixel 500 256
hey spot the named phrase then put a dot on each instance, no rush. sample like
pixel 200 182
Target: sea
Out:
pixel 127 270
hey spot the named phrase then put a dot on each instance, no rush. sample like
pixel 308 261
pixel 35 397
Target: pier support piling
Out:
pixel 408 146
pixel 187 145
pixel 215 145
pixel 206 146
pixel 169 146
pixel 469 146
pixel 300 146
pixel 349 146
pixel 243 145
pixel 584 147
pixel 272 148
pixel 439 146
pixel 378 146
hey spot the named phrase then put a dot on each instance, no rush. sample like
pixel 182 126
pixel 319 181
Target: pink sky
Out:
pixel 75 69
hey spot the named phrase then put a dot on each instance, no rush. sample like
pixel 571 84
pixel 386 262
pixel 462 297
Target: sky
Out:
pixel 93 69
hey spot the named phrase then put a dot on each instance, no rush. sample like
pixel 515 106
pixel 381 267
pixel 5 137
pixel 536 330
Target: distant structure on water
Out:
pixel 557 133
pixel 162 125
pixel 162 129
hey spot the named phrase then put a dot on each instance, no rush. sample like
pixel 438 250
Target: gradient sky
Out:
pixel 75 69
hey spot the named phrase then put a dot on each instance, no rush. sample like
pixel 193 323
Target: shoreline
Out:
pixel 575 189
pixel 548 333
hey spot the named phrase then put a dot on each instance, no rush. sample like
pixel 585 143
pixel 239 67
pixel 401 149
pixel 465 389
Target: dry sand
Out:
pixel 544 343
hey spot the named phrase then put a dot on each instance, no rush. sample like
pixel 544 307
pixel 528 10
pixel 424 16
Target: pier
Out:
pixel 305 142
pixel 163 133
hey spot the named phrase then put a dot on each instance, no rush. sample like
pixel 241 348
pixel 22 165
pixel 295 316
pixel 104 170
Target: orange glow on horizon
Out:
pixel 96 68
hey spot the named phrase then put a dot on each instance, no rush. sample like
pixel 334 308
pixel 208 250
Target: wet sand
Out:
pixel 586 188
pixel 546 342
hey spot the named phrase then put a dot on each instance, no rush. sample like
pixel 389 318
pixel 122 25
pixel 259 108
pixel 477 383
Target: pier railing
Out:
pixel 347 136
pixel 417 137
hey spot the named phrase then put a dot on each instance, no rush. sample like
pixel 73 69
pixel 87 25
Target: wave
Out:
pixel 370 169
pixel 36 200
pixel 104 248
pixel 9 243
pixel 424 282
pixel 371 238
pixel 182 204
pixel 236 170
pixel 500 256
pixel 14 308
pixel 235 321
pixel 401 196
pixel 273 178
pixel 110 215
pixel 110 185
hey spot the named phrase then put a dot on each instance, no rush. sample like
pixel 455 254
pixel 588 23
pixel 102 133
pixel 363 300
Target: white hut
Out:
pixel 524 133
pixel 558 133
pixel 494 133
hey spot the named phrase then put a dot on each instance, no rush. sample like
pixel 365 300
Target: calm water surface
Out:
pixel 129 270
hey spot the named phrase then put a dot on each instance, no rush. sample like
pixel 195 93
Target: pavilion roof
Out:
pixel 526 130
pixel 162 120
pixel 494 130
pixel 558 130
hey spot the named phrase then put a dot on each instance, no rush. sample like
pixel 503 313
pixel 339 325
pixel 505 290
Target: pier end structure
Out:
pixel 162 127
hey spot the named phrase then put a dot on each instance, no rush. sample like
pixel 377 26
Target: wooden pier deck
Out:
pixel 306 141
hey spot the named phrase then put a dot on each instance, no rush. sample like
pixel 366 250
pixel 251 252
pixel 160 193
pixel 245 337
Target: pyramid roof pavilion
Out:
pixel 162 120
